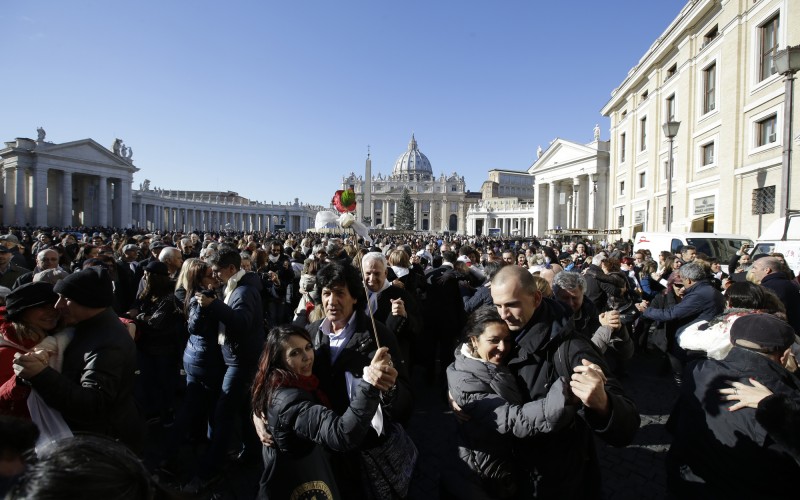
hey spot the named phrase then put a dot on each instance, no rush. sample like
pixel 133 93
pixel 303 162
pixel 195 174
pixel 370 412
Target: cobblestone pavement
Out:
pixel 636 471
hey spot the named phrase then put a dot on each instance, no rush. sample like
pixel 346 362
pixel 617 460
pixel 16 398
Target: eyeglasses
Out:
pixel 677 285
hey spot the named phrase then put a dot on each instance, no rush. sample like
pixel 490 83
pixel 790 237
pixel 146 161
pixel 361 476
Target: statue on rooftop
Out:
pixel 597 132
pixel 117 147
pixel 40 134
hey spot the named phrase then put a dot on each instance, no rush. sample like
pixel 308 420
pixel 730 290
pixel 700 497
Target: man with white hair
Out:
pixel 391 305
pixel 172 257
pixel 46 259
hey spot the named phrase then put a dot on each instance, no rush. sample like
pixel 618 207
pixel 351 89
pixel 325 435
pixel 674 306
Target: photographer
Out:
pixel 605 330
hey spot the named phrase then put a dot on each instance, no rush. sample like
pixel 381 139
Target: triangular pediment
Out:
pixel 86 151
pixel 561 152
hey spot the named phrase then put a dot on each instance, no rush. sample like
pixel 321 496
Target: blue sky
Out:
pixel 279 99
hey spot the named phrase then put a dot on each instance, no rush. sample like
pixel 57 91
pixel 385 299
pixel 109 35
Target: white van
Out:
pixel 772 240
pixel 721 246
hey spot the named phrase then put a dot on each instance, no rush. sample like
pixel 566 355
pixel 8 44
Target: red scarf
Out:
pixel 310 384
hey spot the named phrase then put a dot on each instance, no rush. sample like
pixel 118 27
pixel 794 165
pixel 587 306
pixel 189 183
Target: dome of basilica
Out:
pixel 412 162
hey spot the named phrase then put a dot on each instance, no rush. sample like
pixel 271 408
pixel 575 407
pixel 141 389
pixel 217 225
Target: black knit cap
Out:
pixel 157 267
pixel 766 331
pixel 91 287
pixel 29 295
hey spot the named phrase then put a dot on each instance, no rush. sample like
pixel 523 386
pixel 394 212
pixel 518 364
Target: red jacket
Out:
pixel 13 395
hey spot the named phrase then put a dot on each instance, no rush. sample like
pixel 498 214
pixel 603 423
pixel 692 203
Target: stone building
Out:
pixel 440 203
pixel 81 183
pixel 711 70
pixel 563 189
pixel 68 184
pixel 506 205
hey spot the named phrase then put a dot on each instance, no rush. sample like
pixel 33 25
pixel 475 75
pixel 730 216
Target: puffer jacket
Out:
pixel 203 347
pixel 488 393
pixel 305 431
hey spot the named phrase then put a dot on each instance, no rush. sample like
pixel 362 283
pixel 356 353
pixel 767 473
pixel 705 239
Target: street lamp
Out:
pixel 787 63
pixel 670 130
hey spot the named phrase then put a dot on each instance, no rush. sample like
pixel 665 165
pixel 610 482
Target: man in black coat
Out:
pixel 345 343
pixel 562 464
pixel 444 313
pixel 768 272
pixel 94 391
pixel 391 305
pixel 717 453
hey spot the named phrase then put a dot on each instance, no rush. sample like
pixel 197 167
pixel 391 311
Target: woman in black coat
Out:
pixel 304 428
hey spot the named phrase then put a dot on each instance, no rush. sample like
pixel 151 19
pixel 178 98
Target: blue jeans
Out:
pixel 157 381
pixel 232 426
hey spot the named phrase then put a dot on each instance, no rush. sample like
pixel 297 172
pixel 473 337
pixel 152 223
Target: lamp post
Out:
pixel 787 62
pixel 670 130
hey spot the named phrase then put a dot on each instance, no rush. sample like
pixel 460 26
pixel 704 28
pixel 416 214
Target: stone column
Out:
pixel 40 196
pixel 591 223
pixel 102 195
pixel 552 203
pixel 19 197
pixel 125 195
pixel 576 205
pixel 66 199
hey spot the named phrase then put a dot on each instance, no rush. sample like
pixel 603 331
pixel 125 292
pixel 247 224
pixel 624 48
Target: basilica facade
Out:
pixel 440 203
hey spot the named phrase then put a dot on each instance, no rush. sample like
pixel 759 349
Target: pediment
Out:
pixel 85 151
pixel 561 152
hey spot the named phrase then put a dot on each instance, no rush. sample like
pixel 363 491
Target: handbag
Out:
pixel 51 424
pixel 388 467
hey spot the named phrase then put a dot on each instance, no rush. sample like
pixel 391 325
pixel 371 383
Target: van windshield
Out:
pixel 721 248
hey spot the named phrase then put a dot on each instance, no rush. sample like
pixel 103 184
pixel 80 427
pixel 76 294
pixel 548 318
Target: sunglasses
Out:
pixel 677 285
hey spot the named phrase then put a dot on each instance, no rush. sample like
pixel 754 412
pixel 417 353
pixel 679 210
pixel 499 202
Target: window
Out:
pixel 642 180
pixel 645 94
pixel 670 111
pixel 710 36
pixel 643 134
pixel 709 88
pixel 766 130
pixel 671 71
pixel 622 188
pixel 624 113
pixel 622 148
pixel 708 154
pixel 764 200
pixel 768 47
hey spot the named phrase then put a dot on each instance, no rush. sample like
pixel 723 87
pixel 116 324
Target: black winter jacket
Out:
pixel 564 463
pixel 301 426
pixel 718 453
pixel 94 391
pixel 788 292
pixel 243 318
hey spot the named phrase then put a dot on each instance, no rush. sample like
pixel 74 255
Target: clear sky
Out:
pixel 279 99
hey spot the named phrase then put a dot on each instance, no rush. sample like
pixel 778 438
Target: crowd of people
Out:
pixel 298 350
